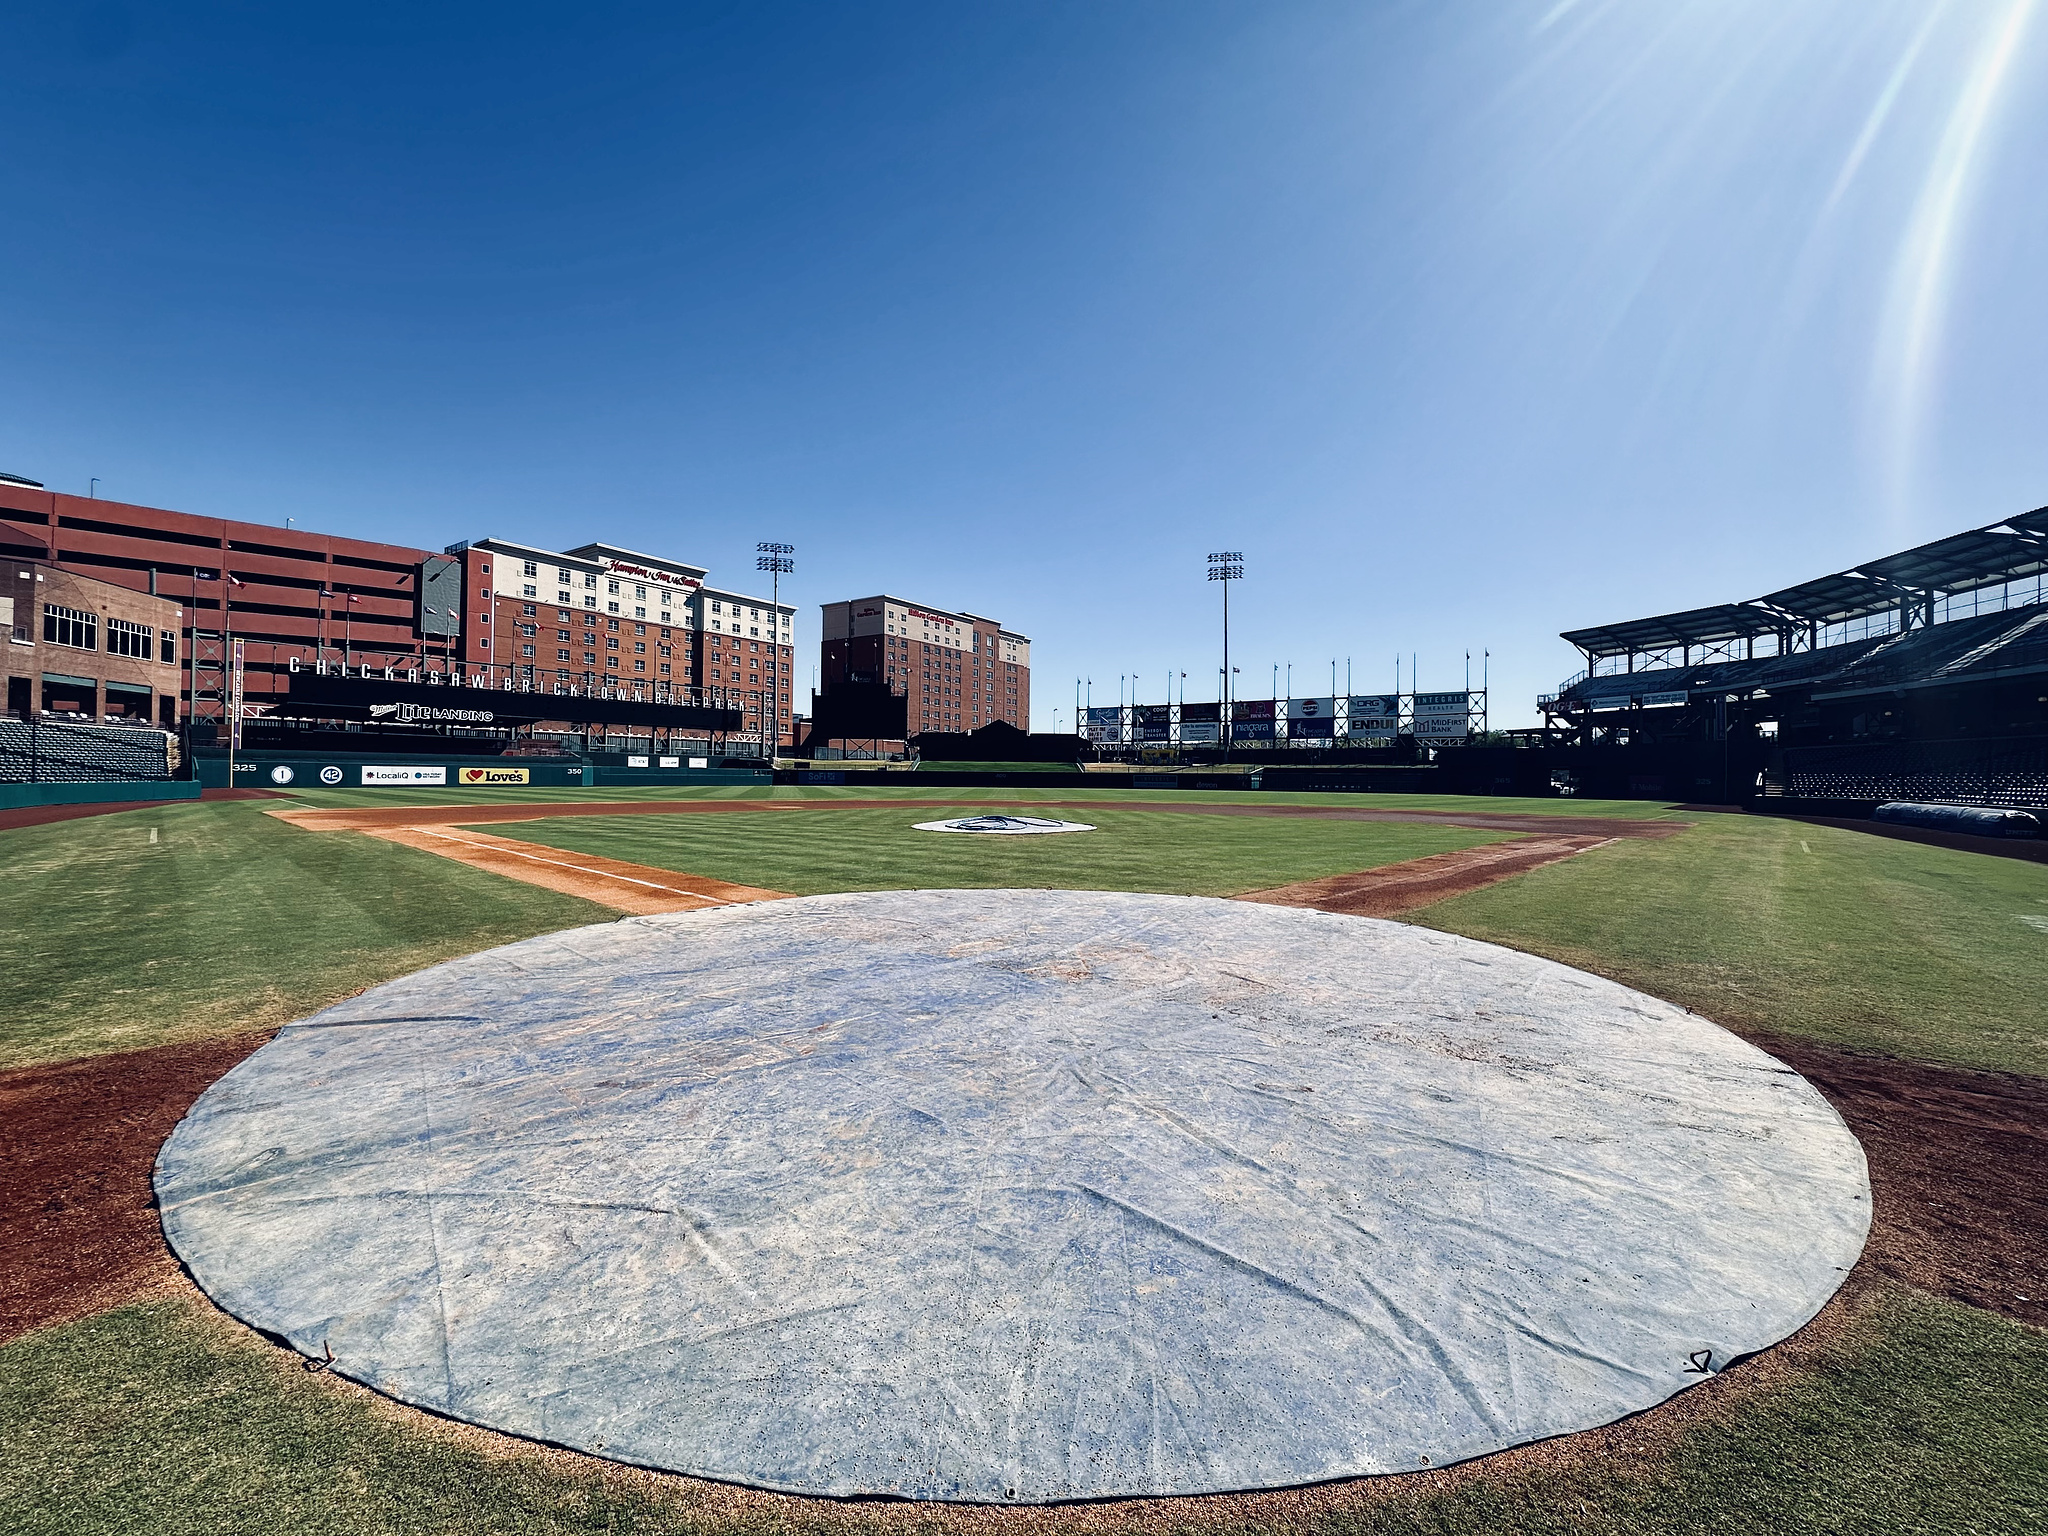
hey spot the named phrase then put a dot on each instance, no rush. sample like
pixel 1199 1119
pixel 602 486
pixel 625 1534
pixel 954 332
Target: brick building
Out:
pixel 493 609
pixel 956 671
pixel 603 616
pixel 86 649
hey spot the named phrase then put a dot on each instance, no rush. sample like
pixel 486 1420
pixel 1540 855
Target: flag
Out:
pixel 352 597
pixel 326 592
pixel 232 582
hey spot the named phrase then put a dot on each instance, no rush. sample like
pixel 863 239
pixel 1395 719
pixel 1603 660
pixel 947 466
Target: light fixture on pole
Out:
pixel 775 559
pixel 1226 566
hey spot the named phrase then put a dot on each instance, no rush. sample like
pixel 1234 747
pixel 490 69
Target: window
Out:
pixel 528 630
pixel 589 619
pixel 530 611
pixel 639 666
pixel 71 626
pixel 640 647
pixel 611 623
pixel 529 569
pixel 589 658
pixel 561 634
pixel 640 592
pixel 668 650
pixel 561 597
pixel 526 650
pixel 639 613
pixel 612 587
pixel 528 591
pixel 611 642
pixel 167 647
pixel 562 577
pixel 562 655
pixel 127 639
pixel 639 629
pixel 664 666
pixel 589 581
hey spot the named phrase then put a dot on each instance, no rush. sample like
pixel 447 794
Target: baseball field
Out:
pixel 149 950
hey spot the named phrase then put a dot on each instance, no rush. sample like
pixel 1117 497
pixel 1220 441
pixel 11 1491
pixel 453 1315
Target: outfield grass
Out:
pixel 875 850
pixel 164 1418
pixel 1840 936
pixel 191 920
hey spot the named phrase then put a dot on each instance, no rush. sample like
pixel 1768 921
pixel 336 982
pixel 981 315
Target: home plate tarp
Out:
pixel 1016 1195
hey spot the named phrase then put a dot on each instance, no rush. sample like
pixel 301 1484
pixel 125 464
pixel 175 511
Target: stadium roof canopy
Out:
pixel 1999 552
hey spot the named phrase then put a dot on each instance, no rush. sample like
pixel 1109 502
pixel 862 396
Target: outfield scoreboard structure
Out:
pixel 1357 720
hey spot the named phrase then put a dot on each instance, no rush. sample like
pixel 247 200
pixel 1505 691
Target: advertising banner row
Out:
pixel 1435 716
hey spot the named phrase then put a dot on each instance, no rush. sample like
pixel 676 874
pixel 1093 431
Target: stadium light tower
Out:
pixel 775 559
pixel 1226 566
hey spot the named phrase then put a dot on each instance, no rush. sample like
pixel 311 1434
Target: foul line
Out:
pixel 602 874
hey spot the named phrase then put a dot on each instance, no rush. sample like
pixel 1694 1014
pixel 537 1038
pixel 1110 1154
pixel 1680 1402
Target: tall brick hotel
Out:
pixel 955 671
pixel 87 577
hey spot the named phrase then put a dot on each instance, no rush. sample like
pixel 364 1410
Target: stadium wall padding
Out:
pixel 15 796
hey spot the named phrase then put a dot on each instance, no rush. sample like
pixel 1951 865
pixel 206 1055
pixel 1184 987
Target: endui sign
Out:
pixel 494 775
pixel 373 774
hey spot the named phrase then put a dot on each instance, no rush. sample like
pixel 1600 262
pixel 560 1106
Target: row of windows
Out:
pixel 79 629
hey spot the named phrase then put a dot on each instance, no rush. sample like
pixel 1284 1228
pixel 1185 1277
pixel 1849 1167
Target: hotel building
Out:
pixel 956 671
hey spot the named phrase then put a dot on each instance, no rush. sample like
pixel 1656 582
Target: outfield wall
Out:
pixel 108 792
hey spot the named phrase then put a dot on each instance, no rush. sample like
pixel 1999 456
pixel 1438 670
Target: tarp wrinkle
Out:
pixel 1016 1196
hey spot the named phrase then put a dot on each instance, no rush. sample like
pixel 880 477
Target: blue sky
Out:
pixel 1466 322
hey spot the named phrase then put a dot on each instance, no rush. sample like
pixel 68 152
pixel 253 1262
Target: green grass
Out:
pixel 911 789
pixel 873 850
pixel 163 1419
pixel 1840 936
pixel 230 920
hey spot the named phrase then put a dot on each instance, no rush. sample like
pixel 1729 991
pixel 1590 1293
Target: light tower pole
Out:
pixel 1226 566
pixel 775 559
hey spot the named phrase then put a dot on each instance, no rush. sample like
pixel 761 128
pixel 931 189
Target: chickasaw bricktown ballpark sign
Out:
pixel 387 699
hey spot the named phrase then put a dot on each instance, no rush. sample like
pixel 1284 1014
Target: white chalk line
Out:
pixel 581 869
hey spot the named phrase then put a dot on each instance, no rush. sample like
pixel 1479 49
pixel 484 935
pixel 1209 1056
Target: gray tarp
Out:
pixel 1018 1195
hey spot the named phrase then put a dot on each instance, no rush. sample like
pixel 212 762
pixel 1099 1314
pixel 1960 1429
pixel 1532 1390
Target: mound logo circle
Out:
pixel 281 774
pixel 330 775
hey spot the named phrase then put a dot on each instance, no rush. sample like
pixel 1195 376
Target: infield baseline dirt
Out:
pixel 1415 883
pixel 371 817
pixel 641 888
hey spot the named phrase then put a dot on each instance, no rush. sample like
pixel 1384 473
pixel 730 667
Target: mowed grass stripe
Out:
pixel 229 921
pixel 874 850
pixel 1839 936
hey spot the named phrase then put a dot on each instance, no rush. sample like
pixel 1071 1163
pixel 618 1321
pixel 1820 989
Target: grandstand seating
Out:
pixel 2011 774
pixel 1766 672
pixel 44 751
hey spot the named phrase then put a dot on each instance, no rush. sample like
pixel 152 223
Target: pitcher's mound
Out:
pixel 1016 1195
